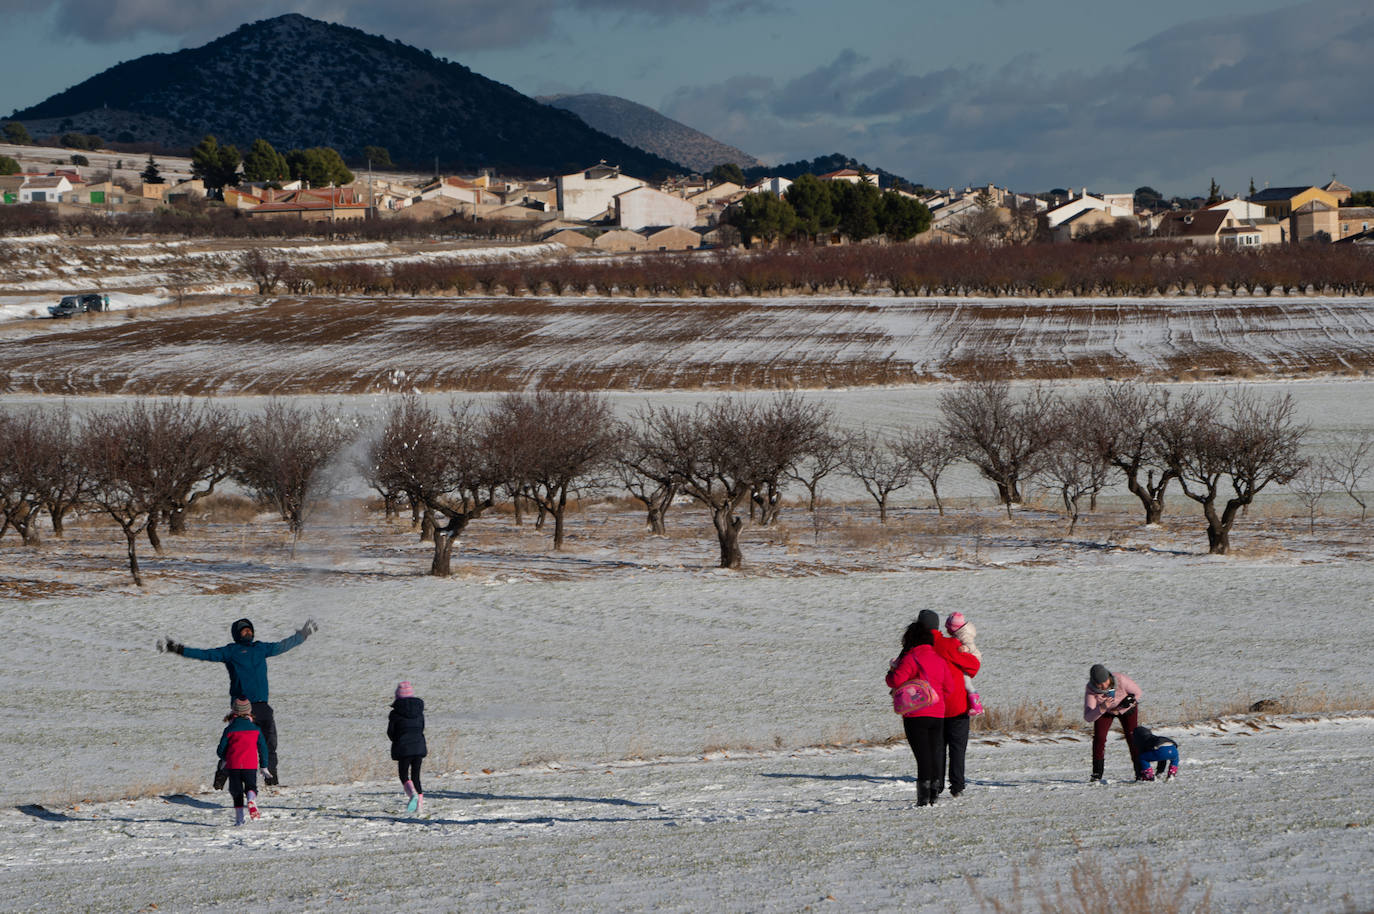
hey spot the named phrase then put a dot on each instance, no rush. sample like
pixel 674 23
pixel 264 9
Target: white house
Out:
pixel 775 186
pixel 1112 204
pixel 46 189
pixel 643 206
pixel 1240 210
pixel 589 194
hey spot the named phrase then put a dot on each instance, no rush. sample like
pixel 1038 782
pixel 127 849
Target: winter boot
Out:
pixel 1173 772
pixel 1147 775
pixel 238 815
pixel 1098 765
pixel 410 789
pixel 922 793
pixel 253 806
pixel 934 791
pixel 414 804
pixel 419 804
pixel 975 704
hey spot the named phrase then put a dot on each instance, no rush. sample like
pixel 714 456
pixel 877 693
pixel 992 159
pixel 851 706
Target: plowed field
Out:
pixel 361 344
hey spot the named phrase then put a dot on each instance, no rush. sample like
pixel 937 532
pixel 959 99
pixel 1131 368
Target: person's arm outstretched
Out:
pixel 169 646
pixel 281 647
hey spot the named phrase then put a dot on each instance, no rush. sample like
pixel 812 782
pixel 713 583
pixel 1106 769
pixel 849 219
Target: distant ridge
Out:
pixel 642 126
pixel 299 82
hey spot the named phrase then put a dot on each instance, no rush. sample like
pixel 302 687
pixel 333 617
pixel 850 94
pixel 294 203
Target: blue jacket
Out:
pixel 246 661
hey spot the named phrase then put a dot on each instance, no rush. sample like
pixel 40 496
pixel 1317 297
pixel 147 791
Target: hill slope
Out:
pixel 299 82
pixel 642 126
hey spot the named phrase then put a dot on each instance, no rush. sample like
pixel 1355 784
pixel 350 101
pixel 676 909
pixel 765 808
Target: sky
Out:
pixel 1029 94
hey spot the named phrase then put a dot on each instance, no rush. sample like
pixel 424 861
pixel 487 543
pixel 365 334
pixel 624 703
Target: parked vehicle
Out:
pixel 72 305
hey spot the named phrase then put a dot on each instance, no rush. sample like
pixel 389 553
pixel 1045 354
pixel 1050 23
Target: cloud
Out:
pixel 450 25
pixel 1280 94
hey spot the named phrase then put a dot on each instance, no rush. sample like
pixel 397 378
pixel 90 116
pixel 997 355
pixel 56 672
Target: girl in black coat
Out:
pixel 406 730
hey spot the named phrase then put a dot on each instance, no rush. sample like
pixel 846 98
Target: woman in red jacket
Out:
pixel 956 719
pixel 924 727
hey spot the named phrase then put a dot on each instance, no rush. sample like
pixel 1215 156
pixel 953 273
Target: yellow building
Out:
pixel 1280 202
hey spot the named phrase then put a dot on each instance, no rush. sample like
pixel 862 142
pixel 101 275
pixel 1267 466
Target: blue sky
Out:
pixel 1033 94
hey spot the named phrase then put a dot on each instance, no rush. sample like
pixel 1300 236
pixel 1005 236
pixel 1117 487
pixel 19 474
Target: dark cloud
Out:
pixel 1282 95
pixel 448 25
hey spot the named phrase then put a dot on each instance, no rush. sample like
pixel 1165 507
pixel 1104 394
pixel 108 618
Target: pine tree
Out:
pixel 150 173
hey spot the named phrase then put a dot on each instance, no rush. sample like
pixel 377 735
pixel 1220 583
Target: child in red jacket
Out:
pixel 242 751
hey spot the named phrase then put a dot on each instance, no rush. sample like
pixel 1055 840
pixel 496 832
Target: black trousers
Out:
pixel 242 780
pixel 267 723
pixel 952 758
pixel 926 737
pixel 408 769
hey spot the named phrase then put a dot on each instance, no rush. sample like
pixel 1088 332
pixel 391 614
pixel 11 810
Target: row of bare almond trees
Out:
pixel 146 463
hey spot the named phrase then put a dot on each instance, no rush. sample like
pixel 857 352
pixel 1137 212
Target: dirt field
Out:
pixel 360 345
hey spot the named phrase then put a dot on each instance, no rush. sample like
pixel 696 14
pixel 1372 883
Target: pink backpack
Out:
pixel 914 695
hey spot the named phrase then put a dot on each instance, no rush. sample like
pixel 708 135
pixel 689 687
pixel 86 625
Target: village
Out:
pixel 602 209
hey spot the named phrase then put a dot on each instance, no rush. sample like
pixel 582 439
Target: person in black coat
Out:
pixel 406 729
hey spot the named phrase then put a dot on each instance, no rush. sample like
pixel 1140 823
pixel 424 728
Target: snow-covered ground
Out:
pixel 647 740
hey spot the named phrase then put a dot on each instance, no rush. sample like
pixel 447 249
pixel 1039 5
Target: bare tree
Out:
pixel 283 454
pixel 20 493
pixel 1349 461
pixel 124 449
pixel 62 475
pixel 789 428
pixel 1125 431
pixel 881 465
pixel 265 272
pixel 930 452
pixel 644 475
pixel 825 456
pixel 439 464
pixel 1075 466
pixel 1004 438
pixel 1310 485
pixel 556 439
pixel 982 223
pixel 1233 437
pixel 714 455
pixel 202 446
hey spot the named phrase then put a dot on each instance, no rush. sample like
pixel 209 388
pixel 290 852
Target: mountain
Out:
pixel 299 82
pixel 642 126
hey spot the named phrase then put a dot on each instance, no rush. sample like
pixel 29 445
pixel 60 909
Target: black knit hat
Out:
pixel 928 618
pixel 1099 675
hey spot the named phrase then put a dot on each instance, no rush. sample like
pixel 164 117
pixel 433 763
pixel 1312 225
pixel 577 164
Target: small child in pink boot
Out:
pixel 406 730
pixel 242 751
pixel 963 631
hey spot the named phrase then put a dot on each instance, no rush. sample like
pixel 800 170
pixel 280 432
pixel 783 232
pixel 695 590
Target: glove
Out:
pixel 168 646
pixel 306 630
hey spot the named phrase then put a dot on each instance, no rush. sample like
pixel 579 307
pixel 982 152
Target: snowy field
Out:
pixel 610 732
pixel 685 741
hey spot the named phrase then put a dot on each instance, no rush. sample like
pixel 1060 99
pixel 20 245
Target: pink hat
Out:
pixel 404 690
pixel 954 622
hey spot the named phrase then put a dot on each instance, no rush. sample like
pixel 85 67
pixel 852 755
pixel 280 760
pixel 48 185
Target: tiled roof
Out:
pixel 1275 194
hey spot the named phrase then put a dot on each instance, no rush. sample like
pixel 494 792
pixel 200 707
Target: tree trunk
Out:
pixel 55 515
pixel 882 510
pixel 153 539
pixel 558 518
pixel 811 499
pixel 176 520
pixel 935 491
pixel 427 527
pixel 443 551
pixel 132 538
pixel 1151 497
pixel 727 531
pixel 657 526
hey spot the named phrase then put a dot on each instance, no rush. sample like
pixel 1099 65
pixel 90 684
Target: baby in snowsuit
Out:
pixel 963 631
pixel 1158 749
